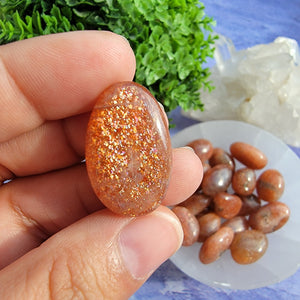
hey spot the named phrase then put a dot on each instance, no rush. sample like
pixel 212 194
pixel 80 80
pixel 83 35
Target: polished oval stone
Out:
pixel 250 205
pixel 248 246
pixel 197 203
pixel 216 179
pixel 208 224
pixel 219 157
pixel 270 217
pixel 270 185
pixel 237 224
pixel 203 148
pixel 248 155
pixel 227 205
pixel 244 181
pixel 215 245
pixel 128 150
pixel 189 224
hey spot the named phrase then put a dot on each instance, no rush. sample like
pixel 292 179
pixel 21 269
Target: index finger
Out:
pixel 58 76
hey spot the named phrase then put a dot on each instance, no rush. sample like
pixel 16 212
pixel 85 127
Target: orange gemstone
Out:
pixel 244 181
pixel 203 148
pixel 128 150
pixel 227 205
pixel 219 157
pixel 270 185
pixel 248 155
pixel 214 246
pixel 270 217
pixel 189 224
pixel 248 246
pixel 216 179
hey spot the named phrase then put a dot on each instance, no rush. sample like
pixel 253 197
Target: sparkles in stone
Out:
pixel 128 150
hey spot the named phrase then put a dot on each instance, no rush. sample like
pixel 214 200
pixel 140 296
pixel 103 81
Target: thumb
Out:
pixel 103 256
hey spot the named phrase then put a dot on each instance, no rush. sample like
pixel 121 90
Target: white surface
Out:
pixel 282 258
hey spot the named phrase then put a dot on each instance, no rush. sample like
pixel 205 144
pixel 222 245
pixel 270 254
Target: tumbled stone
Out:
pixel 189 224
pixel 216 180
pixel 270 217
pixel 215 245
pixel 237 224
pixel 244 181
pixel 197 203
pixel 248 246
pixel 220 156
pixel 128 150
pixel 209 224
pixel 270 185
pixel 227 205
pixel 248 155
pixel 251 204
pixel 203 148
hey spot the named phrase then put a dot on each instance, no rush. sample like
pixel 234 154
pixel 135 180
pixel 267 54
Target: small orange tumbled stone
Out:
pixel 248 155
pixel 270 185
pixel 128 150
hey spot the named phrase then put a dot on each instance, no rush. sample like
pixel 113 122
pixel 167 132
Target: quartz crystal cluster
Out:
pixel 259 85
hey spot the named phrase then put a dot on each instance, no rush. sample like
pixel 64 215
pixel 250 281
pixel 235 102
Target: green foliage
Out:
pixel 171 38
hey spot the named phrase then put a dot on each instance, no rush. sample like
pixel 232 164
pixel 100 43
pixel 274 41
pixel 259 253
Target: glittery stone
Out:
pixel 128 150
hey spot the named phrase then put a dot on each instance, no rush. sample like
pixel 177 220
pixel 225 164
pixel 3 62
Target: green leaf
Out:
pixel 171 39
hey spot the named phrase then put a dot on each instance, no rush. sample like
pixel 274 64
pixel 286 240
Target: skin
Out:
pixel 56 239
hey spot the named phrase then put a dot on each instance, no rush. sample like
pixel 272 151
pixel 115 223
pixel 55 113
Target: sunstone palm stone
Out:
pixel 128 150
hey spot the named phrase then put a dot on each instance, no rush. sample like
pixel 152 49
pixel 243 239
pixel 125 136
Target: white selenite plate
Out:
pixel 282 257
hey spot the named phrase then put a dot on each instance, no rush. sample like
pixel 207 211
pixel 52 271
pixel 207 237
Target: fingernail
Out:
pixel 188 148
pixel 147 241
pixel 125 39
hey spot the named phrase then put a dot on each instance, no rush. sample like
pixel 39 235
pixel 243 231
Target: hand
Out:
pixel 56 239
